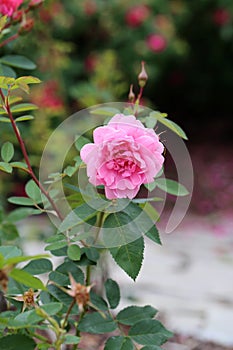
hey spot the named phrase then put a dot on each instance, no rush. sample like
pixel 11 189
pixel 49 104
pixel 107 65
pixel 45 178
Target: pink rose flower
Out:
pixel 8 7
pixel 156 42
pixel 137 15
pixel 124 156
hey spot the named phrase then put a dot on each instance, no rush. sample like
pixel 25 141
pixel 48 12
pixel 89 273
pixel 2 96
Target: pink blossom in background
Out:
pixel 137 15
pixel 8 7
pixel 221 16
pixel 124 156
pixel 156 42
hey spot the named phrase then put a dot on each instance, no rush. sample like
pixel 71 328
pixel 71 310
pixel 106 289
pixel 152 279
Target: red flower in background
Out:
pixel 48 97
pixel 221 16
pixel 137 15
pixel 90 7
pixel 8 7
pixel 156 42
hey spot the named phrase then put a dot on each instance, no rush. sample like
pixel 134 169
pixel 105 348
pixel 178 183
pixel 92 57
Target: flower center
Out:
pixel 123 166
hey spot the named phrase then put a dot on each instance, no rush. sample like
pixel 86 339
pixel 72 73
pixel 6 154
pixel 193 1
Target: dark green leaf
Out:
pixel 92 253
pixel 10 231
pixel 26 279
pixel 98 302
pixel 97 324
pixel 11 342
pixel 151 347
pixel 132 314
pixel 80 142
pixel 74 252
pixel 7 151
pixel 172 187
pixel 112 292
pixel 37 267
pixel 129 257
pixel 149 332
pixel 56 245
pixel 59 278
pixel 18 61
pixel 119 343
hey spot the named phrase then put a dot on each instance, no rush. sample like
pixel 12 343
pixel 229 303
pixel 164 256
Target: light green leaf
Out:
pixel 9 231
pixel 3 21
pixel 22 213
pixel 10 251
pixel 119 343
pixel 33 191
pixel 81 141
pixel 6 167
pixel 7 151
pixel 169 123
pixel 97 324
pixel 18 62
pixel 21 200
pixel 37 267
pixel 71 339
pixel 74 252
pixel 26 279
pixel 56 245
pixel 19 165
pixel 172 187
pixel 147 332
pixel 24 118
pixel 105 111
pixel 27 80
pixel 17 259
pixel 4 119
pixel 133 314
pixel 112 292
pixel 23 107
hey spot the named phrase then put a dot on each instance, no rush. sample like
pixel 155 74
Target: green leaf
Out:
pixel 24 118
pixel 172 187
pixel 129 257
pixel 105 111
pixel 147 332
pixel 59 295
pixel 6 167
pixel 97 324
pixel 5 119
pixel 56 245
pixel 74 252
pixel 21 200
pixel 26 279
pixel 22 213
pixel 27 80
pixel 71 339
pixel 18 62
pixel 132 314
pixel 150 122
pixel 169 123
pixel 92 253
pixel 7 151
pixel 99 302
pixel 10 251
pixel 33 191
pixel 23 107
pixel 70 170
pixel 59 278
pixel 11 342
pixel 80 142
pixel 37 267
pixel 119 343
pixel 9 231
pixel 112 292
pixel 7 71
pixel 19 165
pixel 71 267
pixel 151 347
pixel 3 21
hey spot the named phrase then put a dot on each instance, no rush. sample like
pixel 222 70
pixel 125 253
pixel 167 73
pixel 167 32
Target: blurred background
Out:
pixel 89 52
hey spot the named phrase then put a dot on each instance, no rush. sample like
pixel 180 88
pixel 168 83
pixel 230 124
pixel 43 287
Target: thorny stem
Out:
pixel 25 155
pixel 8 40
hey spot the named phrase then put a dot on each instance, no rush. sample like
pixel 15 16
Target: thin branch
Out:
pixel 8 40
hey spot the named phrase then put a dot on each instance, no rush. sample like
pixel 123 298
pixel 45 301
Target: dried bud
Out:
pixel 142 77
pixel 26 26
pixel 131 95
pixel 3 280
pixel 80 293
pixel 28 298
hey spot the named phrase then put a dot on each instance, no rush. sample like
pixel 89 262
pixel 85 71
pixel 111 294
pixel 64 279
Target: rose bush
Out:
pixel 124 156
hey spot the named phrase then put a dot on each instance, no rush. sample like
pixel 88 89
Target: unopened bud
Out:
pixel 35 3
pixel 142 77
pixel 131 95
pixel 26 26
pixel 17 16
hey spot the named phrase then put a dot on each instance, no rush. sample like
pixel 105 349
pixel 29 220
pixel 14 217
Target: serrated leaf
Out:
pixel 21 200
pixel 18 61
pixel 98 302
pixel 169 123
pixel 129 257
pixel 71 339
pixel 7 151
pixel 24 118
pixel 133 314
pixel 74 252
pixel 95 323
pixel 119 343
pixel 23 107
pixel 6 167
pixel 37 267
pixel 11 342
pixel 112 292
pixel 26 279
pixel 172 187
pixel 80 142
pixel 149 332
pixel 33 191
